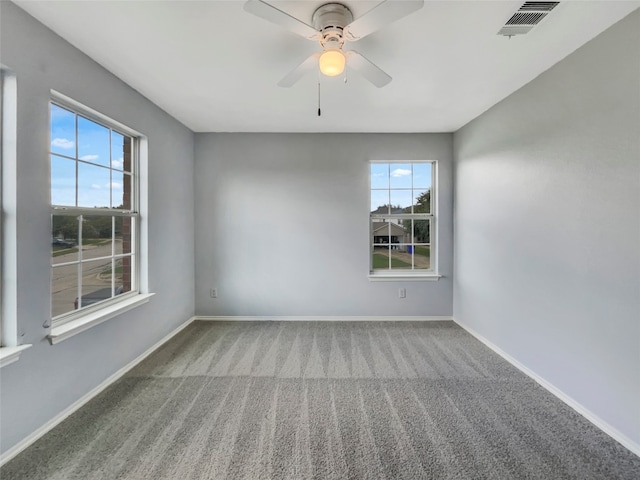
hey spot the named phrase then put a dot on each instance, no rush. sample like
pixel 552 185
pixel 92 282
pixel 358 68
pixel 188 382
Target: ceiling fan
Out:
pixel 333 25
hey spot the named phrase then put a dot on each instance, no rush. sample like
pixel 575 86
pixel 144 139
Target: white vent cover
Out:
pixel 527 17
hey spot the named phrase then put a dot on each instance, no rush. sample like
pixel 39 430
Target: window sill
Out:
pixel 8 355
pixel 403 277
pixel 67 330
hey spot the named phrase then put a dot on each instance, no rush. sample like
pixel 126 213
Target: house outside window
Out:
pixel 402 218
pixel 94 212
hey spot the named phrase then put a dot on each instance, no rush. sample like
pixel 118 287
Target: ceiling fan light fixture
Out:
pixel 332 62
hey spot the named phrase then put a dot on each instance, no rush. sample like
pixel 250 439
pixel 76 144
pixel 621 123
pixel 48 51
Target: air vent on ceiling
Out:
pixel 527 17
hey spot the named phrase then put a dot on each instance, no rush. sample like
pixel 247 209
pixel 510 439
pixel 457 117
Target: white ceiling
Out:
pixel 215 67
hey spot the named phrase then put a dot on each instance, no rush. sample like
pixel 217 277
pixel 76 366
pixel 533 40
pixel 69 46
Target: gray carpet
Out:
pixel 302 400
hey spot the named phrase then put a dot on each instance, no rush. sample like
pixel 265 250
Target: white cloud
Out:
pixel 400 172
pixel 117 163
pixel 89 157
pixel 95 186
pixel 62 143
pixel 116 185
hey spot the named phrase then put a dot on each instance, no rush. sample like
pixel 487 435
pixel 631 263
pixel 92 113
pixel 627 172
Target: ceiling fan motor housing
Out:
pixel 330 20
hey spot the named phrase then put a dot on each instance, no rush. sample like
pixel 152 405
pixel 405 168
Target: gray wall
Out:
pixel 282 225
pixel 47 379
pixel 547 208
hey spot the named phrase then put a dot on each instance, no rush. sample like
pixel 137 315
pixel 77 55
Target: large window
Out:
pixel 94 219
pixel 402 218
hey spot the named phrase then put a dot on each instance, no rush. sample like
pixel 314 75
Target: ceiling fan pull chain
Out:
pixel 319 111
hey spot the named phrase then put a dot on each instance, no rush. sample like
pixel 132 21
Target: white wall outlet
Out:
pixel 402 293
pixel 214 293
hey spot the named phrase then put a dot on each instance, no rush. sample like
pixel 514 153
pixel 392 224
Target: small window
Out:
pixel 94 212
pixel 402 218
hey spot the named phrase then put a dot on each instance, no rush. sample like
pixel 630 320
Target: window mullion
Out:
pixel 95 212
pixel 113 256
pixel 389 242
pixel 79 304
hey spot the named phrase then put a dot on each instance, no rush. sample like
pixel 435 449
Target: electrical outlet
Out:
pixel 402 293
pixel 214 293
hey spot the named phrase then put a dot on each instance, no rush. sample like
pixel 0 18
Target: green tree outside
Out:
pixel 66 227
pixel 421 231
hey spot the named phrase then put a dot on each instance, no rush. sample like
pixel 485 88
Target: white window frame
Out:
pixel 432 216
pixel 67 325
pixel 10 347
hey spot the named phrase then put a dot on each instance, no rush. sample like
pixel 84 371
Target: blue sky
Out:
pixel 398 183
pixel 99 173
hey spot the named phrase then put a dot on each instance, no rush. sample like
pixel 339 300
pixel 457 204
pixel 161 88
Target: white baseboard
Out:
pixel 29 440
pixel 320 318
pixel 578 407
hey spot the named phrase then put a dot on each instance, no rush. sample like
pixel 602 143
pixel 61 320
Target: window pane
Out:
pixel 380 201
pixel 422 201
pixel 93 186
pixel 401 256
pixel 400 175
pixel 379 175
pixel 63 181
pixel 421 175
pixel 127 191
pixel 117 150
pixel 64 289
pixel 124 235
pixel 380 258
pixel 421 256
pixel 64 239
pixel 380 233
pixel 117 184
pixel 128 154
pixel 400 230
pixel 96 281
pixel 63 131
pixel 96 236
pixel 421 231
pixel 391 257
pixel 124 280
pixel 401 200
pixel 390 232
pixel 403 229
pixel 93 142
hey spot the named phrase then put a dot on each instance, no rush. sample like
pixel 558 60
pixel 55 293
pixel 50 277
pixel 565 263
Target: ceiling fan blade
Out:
pixel 272 14
pixel 367 69
pixel 386 12
pixel 309 65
